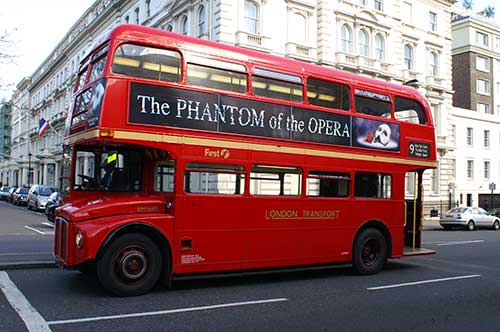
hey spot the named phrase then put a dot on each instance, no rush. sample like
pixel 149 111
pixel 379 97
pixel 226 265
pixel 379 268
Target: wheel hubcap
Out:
pixel 369 253
pixel 132 263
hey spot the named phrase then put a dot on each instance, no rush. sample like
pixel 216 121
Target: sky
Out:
pixel 37 26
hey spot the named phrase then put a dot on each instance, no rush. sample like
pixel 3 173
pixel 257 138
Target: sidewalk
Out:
pixel 24 252
pixel 431 223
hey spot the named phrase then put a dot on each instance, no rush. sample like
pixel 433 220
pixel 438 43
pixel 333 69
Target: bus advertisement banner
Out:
pixel 174 107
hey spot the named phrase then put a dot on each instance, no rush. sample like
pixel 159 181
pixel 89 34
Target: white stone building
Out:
pixel 392 40
pixel 476 117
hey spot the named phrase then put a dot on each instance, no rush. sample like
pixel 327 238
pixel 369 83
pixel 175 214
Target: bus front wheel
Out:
pixel 369 252
pixel 130 266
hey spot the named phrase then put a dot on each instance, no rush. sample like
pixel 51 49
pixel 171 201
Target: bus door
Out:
pixel 276 233
pixel 210 223
pixel 413 219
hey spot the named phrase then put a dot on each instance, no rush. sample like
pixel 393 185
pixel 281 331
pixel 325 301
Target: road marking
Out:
pixel 452 243
pixel 424 282
pixel 31 318
pixel 26 253
pixel 34 230
pixel 48 224
pixel 165 312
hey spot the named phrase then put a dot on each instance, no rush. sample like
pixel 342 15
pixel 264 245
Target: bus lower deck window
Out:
pixel 328 184
pixel 372 185
pixel 275 181
pixel 201 178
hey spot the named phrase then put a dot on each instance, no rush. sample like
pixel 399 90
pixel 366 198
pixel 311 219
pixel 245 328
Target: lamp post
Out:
pixel 29 169
pixel 493 186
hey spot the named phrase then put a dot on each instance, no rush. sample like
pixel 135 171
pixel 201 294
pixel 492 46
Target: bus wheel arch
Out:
pixel 371 247
pixel 144 233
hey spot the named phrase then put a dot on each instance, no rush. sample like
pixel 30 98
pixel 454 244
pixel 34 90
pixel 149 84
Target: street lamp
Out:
pixel 29 169
pixel 493 186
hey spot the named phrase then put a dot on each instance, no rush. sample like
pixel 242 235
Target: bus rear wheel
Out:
pixel 369 252
pixel 130 266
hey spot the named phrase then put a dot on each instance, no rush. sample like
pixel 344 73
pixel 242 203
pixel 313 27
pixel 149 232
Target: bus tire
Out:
pixel 369 252
pixel 130 266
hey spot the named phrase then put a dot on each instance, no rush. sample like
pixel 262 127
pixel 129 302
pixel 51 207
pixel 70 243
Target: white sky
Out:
pixel 39 26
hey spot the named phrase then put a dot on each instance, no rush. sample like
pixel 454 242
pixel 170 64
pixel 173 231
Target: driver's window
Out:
pixel 164 176
pixel 84 168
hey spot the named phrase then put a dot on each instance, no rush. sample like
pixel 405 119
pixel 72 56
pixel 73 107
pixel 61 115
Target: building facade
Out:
pixel 391 40
pixel 476 118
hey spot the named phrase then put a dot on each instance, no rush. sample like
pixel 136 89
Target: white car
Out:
pixel 470 218
pixel 4 193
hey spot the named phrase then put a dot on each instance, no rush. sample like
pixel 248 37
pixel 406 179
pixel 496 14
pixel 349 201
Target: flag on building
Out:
pixel 43 125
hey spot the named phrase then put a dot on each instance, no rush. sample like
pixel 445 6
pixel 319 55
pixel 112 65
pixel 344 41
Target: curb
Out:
pixel 26 265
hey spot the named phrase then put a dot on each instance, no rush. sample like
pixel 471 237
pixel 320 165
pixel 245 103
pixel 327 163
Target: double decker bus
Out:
pixel 187 157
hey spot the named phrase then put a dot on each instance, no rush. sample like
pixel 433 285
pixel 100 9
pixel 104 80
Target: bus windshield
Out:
pixel 100 169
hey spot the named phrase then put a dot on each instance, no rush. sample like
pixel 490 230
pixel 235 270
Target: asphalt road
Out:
pixel 458 289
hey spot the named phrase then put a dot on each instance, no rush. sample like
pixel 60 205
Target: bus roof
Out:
pixel 151 36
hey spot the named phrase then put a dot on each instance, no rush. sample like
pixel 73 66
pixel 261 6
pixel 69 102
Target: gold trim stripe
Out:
pixel 173 139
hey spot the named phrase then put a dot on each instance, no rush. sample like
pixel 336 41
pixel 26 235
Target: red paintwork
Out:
pixel 231 232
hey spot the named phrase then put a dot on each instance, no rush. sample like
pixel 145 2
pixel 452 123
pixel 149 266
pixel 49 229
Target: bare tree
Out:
pixel 467 4
pixel 489 12
pixel 7 56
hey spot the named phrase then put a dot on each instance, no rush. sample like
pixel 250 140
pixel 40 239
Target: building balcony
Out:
pixel 363 64
pixel 435 83
pixel 250 40
pixel 301 52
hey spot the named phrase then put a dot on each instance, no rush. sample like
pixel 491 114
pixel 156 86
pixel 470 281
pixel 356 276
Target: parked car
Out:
pixel 52 203
pixel 20 196
pixel 38 196
pixel 4 192
pixel 470 218
pixel 10 197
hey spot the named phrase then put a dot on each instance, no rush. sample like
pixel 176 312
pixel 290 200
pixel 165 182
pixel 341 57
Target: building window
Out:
pixel 482 64
pixel 432 21
pixel 127 19
pixel 346 36
pixel 483 108
pixel 487 139
pixel 137 15
pixel 202 22
pixel 433 64
pixel 436 117
pixel 486 169
pixel 497 43
pixel 184 25
pixel 470 169
pixel 481 39
pixel 379 47
pixel 148 8
pixel 297 29
pixel 435 181
pixel 377 4
pixel 170 28
pixel 470 136
pixel 251 17
pixel 483 87
pixel 408 57
pixel 363 43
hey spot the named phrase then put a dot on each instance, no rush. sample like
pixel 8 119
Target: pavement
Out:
pixel 28 257
pixel 26 251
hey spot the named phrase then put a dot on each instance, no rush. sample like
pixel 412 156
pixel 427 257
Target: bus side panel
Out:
pixel 210 233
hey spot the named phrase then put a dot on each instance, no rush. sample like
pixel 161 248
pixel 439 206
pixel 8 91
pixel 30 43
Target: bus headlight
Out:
pixel 79 240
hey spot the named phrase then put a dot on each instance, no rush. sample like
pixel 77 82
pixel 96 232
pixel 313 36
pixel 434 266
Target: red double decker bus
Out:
pixel 186 156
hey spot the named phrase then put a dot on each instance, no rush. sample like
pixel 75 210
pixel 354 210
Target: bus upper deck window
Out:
pixel 277 85
pixel 408 110
pixel 328 94
pixel 147 62
pixel 373 106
